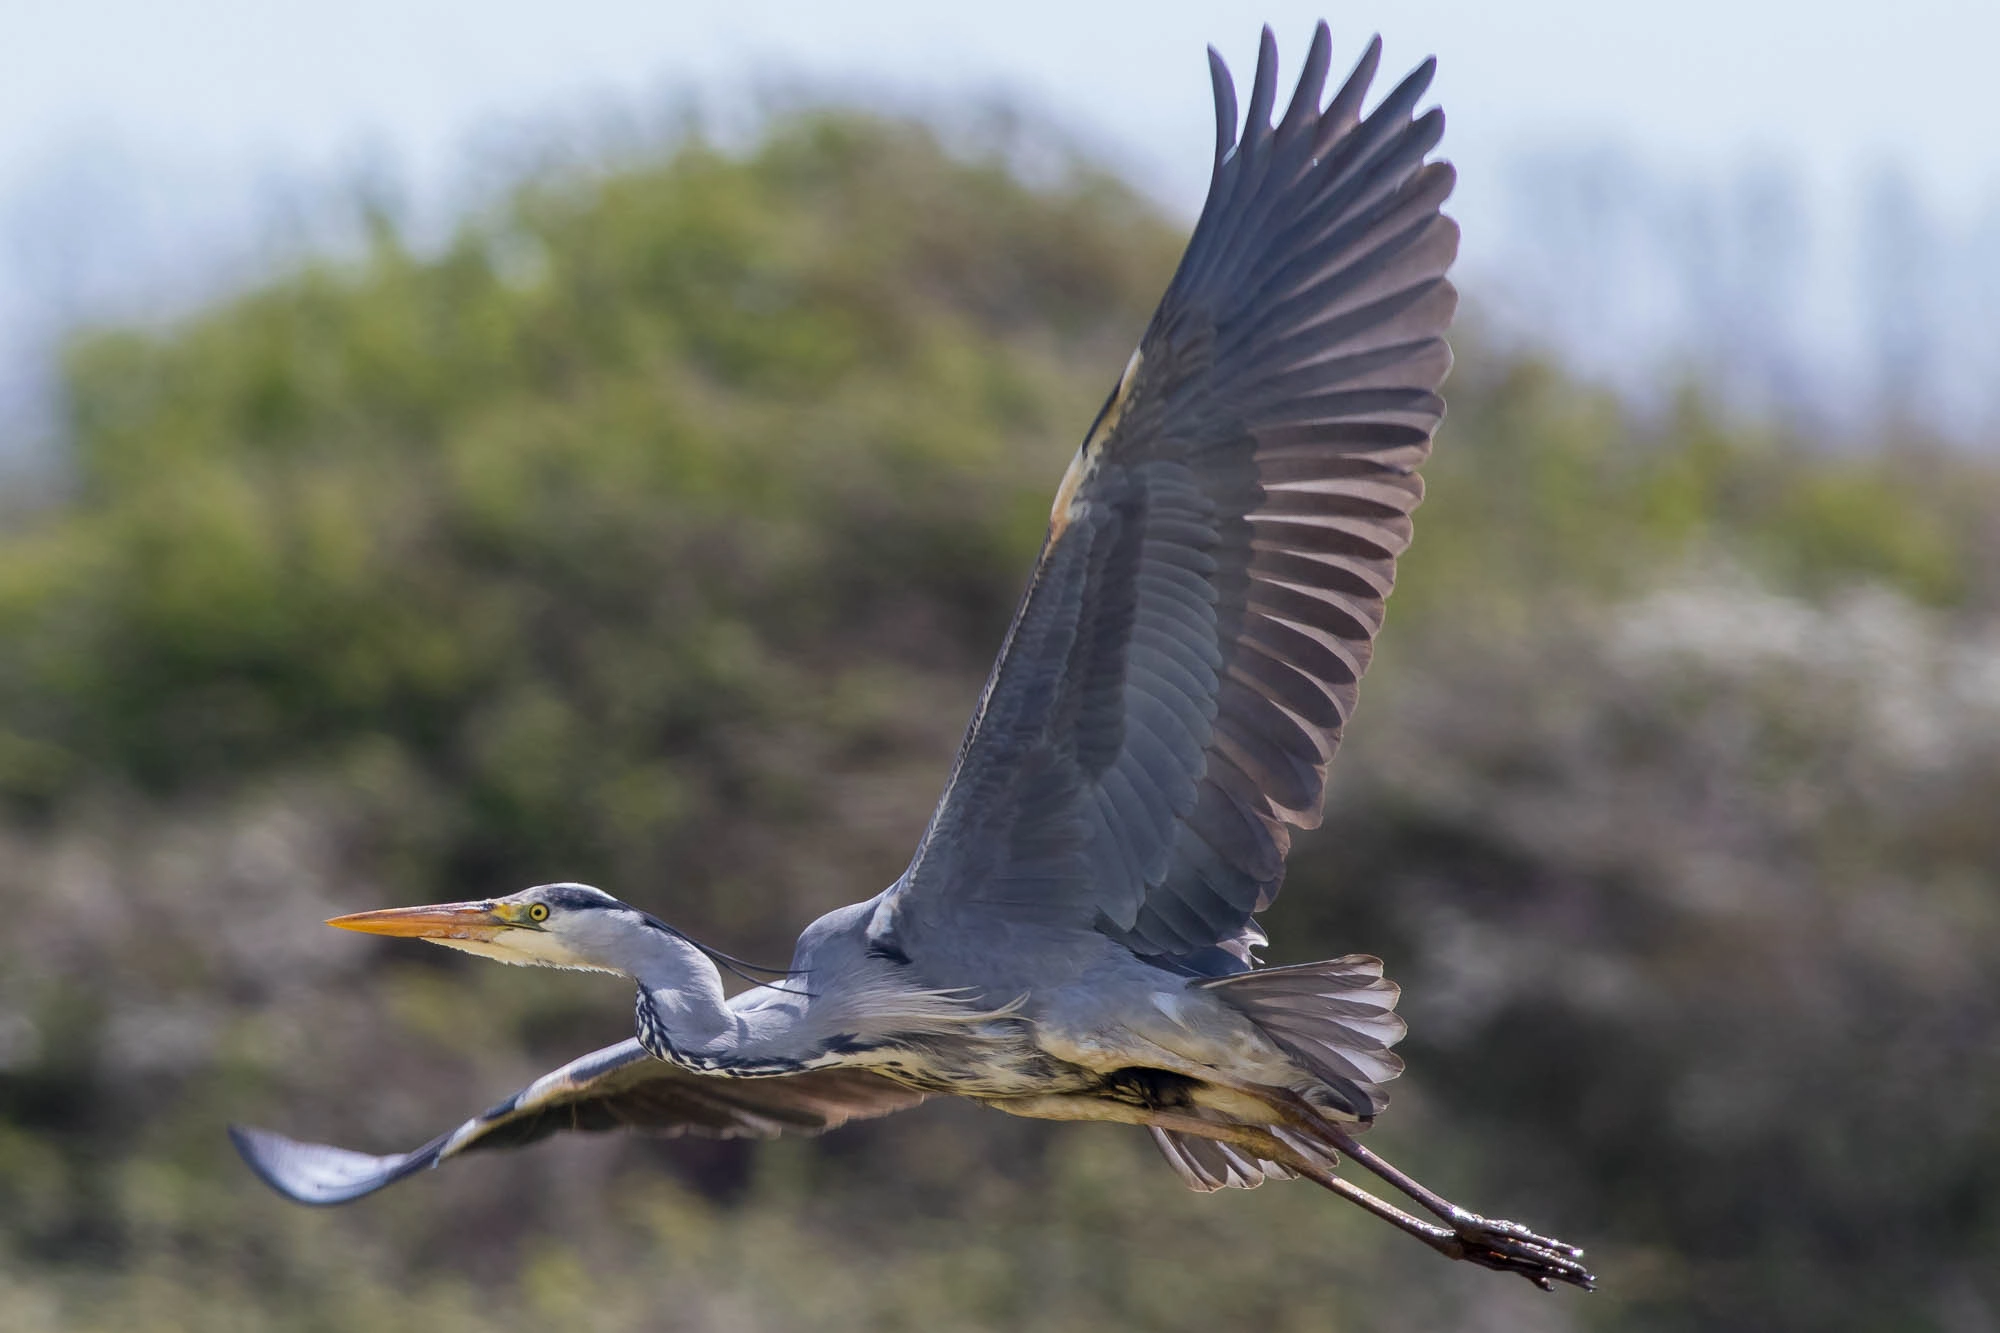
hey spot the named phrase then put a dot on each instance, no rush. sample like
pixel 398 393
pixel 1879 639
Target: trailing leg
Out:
pixel 1309 1147
pixel 1489 1242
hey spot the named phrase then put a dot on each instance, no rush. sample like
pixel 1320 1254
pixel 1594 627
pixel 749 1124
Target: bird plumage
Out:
pixel 1189 648
pixel 619 1087
pixel 1074 936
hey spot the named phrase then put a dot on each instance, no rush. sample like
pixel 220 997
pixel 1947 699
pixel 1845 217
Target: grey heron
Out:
pixel 1074 937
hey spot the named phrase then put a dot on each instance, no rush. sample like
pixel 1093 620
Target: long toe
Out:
pixel 1509 1247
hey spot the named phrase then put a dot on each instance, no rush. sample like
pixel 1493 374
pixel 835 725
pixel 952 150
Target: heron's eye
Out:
pixel 538 912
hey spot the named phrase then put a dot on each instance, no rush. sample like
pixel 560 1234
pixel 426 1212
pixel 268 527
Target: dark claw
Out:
pixel 1509 1247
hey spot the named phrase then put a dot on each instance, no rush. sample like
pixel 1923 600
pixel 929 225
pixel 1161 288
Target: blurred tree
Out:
pixel 657 530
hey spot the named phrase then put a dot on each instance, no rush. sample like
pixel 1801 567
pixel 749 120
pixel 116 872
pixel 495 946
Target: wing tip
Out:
pixel 260 1150
pixel 317 1174
pixel 1263 86
pixel 1416 83
pixel 1225 105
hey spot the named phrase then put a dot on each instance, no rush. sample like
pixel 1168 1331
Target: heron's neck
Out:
pixel 683 991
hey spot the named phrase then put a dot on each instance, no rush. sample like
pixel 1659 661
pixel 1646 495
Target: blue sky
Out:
pixel 142 145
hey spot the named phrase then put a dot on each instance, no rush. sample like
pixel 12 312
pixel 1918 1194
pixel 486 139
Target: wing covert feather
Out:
pixel 1190 647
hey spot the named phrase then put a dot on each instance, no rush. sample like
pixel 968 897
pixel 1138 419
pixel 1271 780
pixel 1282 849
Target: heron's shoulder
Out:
pixel 839 934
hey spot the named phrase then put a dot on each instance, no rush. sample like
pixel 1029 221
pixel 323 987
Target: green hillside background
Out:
pixel 657 531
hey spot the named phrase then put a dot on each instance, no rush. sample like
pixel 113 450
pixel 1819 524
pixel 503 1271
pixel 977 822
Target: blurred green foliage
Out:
pixel 657 531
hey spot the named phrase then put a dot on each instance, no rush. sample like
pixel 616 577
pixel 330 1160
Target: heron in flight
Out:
pixel 1074 937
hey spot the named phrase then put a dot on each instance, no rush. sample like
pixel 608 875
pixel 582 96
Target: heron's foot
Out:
pixel 1509 1247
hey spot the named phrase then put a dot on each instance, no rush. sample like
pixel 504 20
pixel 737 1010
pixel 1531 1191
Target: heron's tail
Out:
pixel 1336 1018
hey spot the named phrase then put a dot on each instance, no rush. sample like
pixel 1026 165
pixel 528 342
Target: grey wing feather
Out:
pixel 618 1087
pixel 318 1173
pixel 1189 650
pixel 1206 1165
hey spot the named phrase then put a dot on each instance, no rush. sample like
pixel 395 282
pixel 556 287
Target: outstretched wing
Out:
pixel 1180 670
pixel 618 1087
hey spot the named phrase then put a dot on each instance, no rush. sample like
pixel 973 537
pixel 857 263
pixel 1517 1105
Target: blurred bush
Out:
pixel 657 532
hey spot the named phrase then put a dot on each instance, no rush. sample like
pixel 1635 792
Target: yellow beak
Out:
pixel 446 921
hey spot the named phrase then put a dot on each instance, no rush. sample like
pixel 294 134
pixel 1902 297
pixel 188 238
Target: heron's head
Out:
pixel 551 925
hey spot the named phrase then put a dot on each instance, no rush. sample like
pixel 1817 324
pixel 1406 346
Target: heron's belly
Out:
pixel 983 1066
pixel 1017 1071
pixel 1025 1080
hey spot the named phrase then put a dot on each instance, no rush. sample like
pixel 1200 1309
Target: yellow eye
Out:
pixel 538 912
